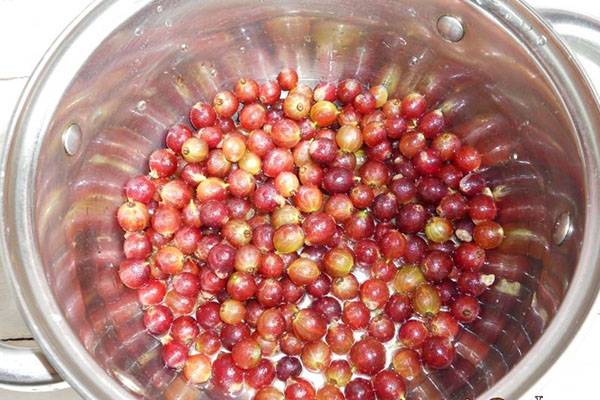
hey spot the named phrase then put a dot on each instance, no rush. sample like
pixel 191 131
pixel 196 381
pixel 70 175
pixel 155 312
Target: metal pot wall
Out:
pixel 102 97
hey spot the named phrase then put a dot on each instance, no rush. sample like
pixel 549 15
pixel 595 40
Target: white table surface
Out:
pixel 27 27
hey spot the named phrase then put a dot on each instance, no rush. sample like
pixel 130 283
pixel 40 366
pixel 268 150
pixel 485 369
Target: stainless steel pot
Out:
pixel 101 99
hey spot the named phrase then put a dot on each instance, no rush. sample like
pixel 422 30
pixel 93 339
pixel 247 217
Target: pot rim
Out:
pixel 44 317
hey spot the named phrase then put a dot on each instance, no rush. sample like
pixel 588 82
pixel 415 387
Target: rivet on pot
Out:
pixel 71 139
pixel 450 28
pixel 562 228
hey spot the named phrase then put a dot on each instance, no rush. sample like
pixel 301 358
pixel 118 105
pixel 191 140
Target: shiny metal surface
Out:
pixel 450 28
pixel 26 369
pixel 580 33
pixel 71 138
pixel 126 70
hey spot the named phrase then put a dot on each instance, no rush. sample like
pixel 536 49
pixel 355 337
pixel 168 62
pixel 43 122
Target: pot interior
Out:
pixel 146 74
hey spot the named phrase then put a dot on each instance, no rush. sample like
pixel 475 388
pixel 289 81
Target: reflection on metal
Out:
pixel 71 139
pixel 27 370
pixel 562 228
pixel 450 28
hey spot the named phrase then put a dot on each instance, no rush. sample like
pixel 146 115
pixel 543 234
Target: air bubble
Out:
pixel 139 31
pixel 414 60
pixel 183 47
pixel 141 105
pixel 159 9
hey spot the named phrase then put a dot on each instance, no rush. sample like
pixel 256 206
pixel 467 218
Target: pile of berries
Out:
pixel 309 243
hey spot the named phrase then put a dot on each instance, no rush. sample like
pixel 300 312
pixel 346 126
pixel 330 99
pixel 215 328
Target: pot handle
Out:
pixel 27 370
pixel 23 369
pixel 581 33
